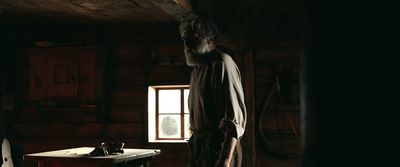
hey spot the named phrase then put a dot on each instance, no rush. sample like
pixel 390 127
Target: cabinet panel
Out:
pixel 62 79
pixel 87 75
pixel 62 74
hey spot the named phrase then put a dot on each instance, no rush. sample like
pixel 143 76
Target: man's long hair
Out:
pixel 202 26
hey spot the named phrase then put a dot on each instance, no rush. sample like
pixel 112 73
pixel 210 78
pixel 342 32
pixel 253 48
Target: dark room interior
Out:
pixel 78 73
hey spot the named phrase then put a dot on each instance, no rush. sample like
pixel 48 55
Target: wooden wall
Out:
pixel 127 61
pixel 277 112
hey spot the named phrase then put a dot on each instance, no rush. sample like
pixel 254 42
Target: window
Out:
pixel 168 114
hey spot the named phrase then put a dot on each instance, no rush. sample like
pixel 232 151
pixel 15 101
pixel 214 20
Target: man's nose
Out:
pixel 187 42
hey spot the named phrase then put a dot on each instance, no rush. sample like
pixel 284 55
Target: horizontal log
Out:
pixel 276 43
pixel 79 130
pixel 133 53
pixel 268 56
pixel 132 74
pixel 116 114
pixel 133 114
pixel 180 74
pixel 32 115
pixel 134 96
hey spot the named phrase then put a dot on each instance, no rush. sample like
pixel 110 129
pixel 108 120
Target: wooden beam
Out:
pixel 2 83
pixel 7 82
pixel 249 142
pixel 180 9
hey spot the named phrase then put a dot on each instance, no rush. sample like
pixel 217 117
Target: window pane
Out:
pixel 169 101
pixel 169 126
pixel 187 125
pixel 185 100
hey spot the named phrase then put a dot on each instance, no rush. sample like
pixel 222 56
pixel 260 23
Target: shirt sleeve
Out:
pixel 234 120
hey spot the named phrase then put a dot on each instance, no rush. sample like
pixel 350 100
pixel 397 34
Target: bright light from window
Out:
pixel 169 101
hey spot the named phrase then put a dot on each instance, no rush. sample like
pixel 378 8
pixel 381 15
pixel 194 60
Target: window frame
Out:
pixel 157 138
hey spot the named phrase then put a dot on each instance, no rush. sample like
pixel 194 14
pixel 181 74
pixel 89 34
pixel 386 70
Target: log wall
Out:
pixel 127 62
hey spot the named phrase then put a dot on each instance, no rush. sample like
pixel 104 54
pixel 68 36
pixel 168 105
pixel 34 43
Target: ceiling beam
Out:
pixel 230 29
pixel 180 9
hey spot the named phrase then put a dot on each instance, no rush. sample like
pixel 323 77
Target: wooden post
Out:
pixel 249 158
pixel 7 83
pixel 307 141
pixel 2 120
pixel 104 77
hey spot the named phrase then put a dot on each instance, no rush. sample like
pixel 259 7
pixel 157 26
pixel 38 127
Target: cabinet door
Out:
pixel 63 73
pixel 53 74
pixel 87 75
pixel 62 81
pixel 37 75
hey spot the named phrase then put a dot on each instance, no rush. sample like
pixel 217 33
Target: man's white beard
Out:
pixel 193 59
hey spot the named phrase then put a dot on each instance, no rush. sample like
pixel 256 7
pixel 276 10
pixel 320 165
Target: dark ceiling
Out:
pixel 250 14
pixel 84 11
pixel 255 18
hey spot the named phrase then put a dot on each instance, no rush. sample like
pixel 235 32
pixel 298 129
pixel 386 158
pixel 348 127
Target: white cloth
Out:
pixel 6 154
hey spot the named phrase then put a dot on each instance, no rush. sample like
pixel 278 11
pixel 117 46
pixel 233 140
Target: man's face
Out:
pixel 192 40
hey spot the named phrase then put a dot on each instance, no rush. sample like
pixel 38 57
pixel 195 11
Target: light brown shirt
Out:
pixel 216 96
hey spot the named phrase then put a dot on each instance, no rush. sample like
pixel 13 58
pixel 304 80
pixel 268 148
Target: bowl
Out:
pixel 113 147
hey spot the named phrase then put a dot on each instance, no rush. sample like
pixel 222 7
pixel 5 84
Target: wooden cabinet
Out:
pixel 62 73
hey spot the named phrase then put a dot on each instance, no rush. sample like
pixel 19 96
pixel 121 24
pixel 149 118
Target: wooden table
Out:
pixel 78 157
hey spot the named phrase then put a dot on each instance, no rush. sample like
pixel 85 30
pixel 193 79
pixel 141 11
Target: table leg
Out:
pixel 41 163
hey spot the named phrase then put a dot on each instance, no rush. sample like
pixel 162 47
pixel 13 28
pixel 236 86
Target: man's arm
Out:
pixel 234 122
pixel 226 154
